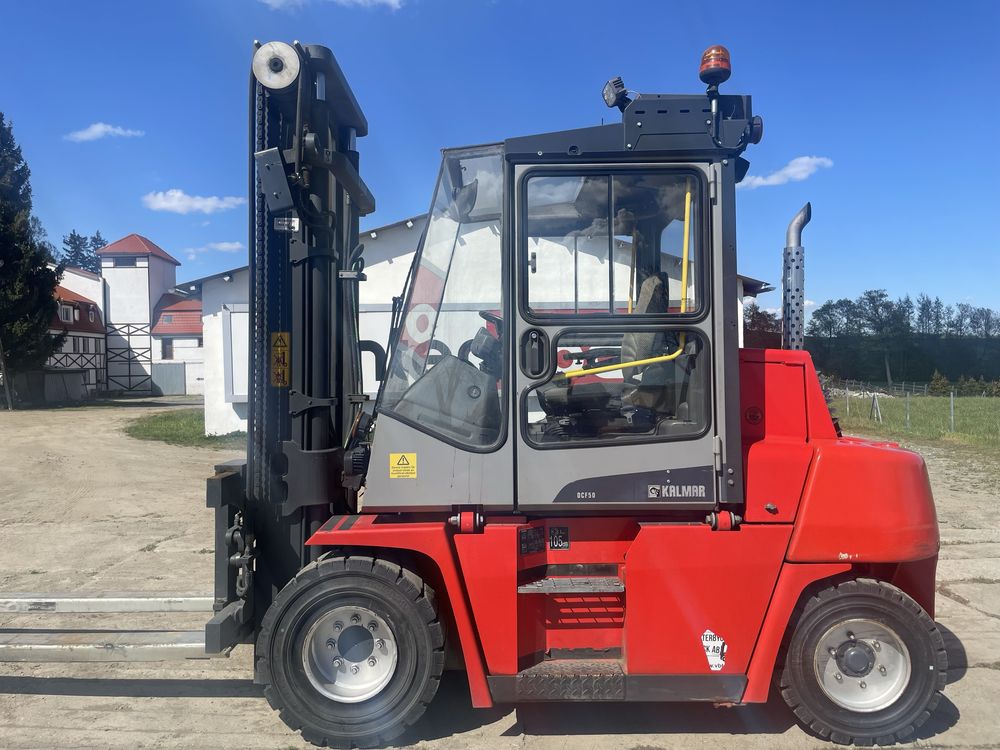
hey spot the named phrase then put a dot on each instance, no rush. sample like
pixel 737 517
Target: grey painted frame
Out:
pixel 227 352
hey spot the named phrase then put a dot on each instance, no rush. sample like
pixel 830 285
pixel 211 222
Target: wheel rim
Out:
pixel 862 665
pixel 349 654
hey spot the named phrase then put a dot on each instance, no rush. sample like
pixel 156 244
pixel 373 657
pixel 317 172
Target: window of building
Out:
pixel 593 242
pixel 201 342
pixel 91 315
pixel 167 350
pixel 76 345
pixel 65 313
pixel 124 261
pixel 168 318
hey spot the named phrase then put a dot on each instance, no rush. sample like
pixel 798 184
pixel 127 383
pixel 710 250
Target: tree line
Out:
pixel 873 313
pixel 874 337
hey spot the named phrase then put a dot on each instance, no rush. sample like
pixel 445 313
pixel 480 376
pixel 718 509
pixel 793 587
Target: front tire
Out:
pixel 351 651
pixel 864 664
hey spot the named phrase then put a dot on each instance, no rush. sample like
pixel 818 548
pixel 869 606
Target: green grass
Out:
pixel 977 420
pixel 183 427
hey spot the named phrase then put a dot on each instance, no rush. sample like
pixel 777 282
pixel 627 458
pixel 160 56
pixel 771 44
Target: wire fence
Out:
pixel 867 408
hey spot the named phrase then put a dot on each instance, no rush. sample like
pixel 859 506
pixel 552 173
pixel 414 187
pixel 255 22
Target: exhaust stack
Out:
pixel 793 292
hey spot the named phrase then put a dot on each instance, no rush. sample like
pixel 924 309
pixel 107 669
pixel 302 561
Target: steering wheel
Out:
pixel 496 320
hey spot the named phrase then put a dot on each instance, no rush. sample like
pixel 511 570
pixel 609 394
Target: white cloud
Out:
pixel 178 202
pixel 809 303
pixel 192 253
pixel 283 4
pixel 99 130
pixel 798 169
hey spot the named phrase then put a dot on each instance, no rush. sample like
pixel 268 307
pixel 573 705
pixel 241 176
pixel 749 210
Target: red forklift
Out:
pixel 573 484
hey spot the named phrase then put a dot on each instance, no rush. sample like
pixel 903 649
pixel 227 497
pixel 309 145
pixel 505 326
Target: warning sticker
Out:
pixel 402 466
pixel 280 359
pixel 715 650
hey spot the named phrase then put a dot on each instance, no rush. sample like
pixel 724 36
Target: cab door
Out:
pixel 615 399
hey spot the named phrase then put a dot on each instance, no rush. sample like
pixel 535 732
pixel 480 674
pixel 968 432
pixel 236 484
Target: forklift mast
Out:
pixel 306 198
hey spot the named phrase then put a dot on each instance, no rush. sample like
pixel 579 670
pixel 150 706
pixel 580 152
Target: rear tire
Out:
pixel 363 683
pixel 865 664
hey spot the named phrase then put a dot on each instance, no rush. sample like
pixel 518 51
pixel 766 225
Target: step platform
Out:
pixel 580 585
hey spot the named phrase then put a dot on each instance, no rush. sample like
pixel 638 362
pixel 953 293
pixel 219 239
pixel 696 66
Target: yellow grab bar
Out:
pixel 683 337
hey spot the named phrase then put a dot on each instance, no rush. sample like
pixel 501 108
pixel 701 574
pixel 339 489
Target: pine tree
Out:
pixel 97 241
pixel 27 284
pixel 939 385
pixel 76 250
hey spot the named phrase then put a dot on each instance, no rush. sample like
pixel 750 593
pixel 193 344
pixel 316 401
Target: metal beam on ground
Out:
pixel 101 645
pixel 31 603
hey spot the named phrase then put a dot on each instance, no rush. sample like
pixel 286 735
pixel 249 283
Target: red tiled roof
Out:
pixel 184 316
pixel 81 323
pixel 136 244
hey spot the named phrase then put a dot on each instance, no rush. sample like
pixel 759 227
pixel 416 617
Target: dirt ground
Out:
pixel 85 508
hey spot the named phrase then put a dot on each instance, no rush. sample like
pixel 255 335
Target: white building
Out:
pixel 225 318
pixel 134 331
pixel 77 370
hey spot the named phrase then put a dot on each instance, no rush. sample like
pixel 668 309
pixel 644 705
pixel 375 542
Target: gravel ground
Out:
pixel 85 508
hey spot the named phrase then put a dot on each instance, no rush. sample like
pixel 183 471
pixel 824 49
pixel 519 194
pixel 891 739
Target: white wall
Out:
pixel 162 278
pixel 85 284
pixel 128 292
pixel 221 417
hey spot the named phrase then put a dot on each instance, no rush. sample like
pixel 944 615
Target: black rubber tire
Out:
pixel 882 602
pixel 395 594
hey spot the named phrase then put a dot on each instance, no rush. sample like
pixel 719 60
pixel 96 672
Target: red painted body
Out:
pixel 817 506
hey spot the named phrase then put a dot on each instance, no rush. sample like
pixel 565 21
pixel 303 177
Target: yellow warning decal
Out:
pixel 402 466
pixel 281 363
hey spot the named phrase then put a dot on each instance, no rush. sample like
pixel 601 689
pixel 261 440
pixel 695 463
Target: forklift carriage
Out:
pixel 579 486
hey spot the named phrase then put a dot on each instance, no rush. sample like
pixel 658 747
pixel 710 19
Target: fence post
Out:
pixel 907 411
pixel 952 410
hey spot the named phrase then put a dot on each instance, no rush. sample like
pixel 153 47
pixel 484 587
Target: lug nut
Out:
pixel 838 677
pixel 355 619
pixel 850 636
pixel 338 626
pixel 372 626
pixel 863 685
pixel 330 643
pixel 338 663
pixel 877 645
pixel 355 669
pixel 833 652
pixel 372 662
pixel 881 669
pixel 379 643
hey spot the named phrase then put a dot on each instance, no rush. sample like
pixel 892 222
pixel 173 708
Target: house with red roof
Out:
pixel 80 363
pixel 153 328
pixel 129 328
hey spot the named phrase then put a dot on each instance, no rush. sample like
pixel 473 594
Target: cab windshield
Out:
pixel 446 367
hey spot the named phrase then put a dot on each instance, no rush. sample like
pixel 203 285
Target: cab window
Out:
pixel 593 241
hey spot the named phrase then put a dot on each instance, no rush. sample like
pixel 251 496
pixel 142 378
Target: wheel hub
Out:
pixel 855 658
pixel 349 654
pixel 862 665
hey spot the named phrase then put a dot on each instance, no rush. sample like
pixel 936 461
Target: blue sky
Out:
pixel 885 112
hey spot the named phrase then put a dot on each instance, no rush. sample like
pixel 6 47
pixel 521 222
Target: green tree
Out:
pixel 97 241
pixel 27 303
pixel 77 253
pixel 939 385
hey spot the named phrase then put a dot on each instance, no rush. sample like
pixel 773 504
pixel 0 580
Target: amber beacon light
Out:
pixel 715 66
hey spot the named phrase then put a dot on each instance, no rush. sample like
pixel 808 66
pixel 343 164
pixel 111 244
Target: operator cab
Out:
pixel 571 312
